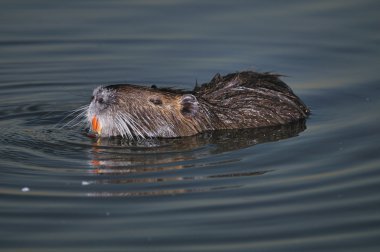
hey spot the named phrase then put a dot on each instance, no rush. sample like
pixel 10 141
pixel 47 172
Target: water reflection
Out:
pixel 162 163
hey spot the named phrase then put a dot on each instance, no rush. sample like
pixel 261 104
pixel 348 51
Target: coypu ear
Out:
pixel 189 105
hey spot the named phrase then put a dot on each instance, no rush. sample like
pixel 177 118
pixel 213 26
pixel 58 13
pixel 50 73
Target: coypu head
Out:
pixel 138 112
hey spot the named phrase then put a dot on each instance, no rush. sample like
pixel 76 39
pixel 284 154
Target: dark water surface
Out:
pixel 278 189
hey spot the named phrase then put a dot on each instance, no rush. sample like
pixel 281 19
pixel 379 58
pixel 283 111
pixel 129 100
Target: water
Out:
pixel 279 189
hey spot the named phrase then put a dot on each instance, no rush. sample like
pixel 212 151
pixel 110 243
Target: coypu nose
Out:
pixel 95 124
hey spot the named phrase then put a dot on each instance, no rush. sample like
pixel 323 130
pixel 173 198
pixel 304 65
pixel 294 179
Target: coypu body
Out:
pixel 240 100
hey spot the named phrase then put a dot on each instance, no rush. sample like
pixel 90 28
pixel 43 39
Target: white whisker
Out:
pixel 129 127
pixel 80 117
pixel 122 126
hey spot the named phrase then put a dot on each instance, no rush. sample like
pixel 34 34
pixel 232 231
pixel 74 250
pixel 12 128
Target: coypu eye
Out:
pixel 100 100
pixel 155 100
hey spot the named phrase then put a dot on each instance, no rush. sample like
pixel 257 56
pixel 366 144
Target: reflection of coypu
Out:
pixel 163 154
pixel 241 100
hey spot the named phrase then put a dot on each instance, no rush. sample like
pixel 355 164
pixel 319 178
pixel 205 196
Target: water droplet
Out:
pixel 25 189
pixel 85 183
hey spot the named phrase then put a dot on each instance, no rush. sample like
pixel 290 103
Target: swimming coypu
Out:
pixel 240 100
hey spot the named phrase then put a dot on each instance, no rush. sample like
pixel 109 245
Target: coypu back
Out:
pixel 249 99
pixel 247 79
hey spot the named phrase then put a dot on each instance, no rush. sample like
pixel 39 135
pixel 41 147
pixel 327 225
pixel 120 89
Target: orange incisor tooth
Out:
pixel 96 125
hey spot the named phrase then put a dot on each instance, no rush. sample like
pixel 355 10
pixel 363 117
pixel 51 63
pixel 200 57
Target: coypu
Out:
pixel 240 100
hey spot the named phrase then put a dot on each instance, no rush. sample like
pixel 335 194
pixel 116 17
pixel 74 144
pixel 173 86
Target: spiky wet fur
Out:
pixel 250 99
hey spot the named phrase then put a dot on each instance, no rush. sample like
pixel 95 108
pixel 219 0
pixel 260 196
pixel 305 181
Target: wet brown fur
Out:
pixel 239 100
